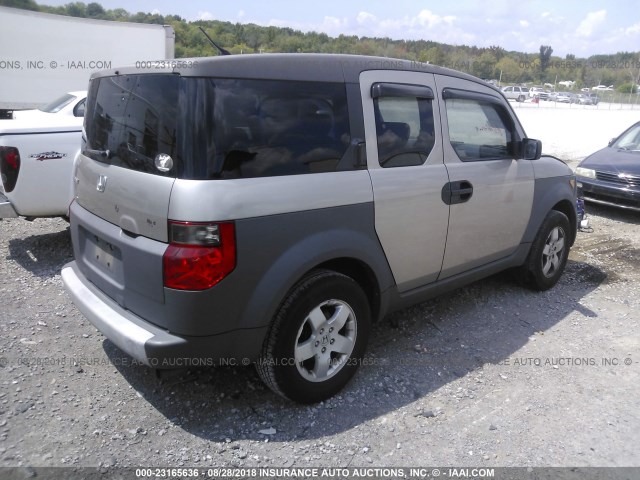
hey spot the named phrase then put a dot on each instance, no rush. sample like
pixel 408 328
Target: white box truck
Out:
pixel 43 56
pixel 46 61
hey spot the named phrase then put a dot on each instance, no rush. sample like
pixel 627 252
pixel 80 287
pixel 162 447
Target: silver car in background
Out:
pixel 519 94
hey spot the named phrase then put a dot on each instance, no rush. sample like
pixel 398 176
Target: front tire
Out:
pixel 317 338
pixel 549 252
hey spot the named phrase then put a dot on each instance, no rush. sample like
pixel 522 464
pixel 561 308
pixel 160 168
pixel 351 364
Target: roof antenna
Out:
pixel 220 49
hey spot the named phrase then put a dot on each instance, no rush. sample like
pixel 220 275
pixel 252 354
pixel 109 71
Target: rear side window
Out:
pixel 218 128
pixel 479 130
pixel 262 128
pixel 405 130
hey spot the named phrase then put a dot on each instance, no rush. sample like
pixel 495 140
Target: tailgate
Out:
pixel 134 201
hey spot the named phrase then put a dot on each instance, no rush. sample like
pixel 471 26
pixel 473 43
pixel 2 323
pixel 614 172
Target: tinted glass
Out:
pixel 218 128
pixel 130 119
pixel 261 128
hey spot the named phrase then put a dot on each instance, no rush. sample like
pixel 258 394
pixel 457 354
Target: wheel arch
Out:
pixel 351 253
pixel 568 209
pixel 553 193
pixel 363 275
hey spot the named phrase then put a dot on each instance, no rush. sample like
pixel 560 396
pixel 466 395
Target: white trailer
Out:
pixel 43 56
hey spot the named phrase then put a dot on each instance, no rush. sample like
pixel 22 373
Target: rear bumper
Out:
pixel 154 346
pixel 6 209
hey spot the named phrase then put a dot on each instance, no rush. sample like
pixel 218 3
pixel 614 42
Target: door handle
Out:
pixel 457 192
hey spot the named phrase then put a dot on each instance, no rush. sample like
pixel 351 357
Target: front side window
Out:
pixel 404 129
pixel 479 130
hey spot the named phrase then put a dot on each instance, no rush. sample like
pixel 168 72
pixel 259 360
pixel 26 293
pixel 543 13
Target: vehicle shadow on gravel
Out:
pixel 613 213
pixel 411 354
pixel 43 255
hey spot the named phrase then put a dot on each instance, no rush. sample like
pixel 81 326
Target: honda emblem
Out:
pixel 102 183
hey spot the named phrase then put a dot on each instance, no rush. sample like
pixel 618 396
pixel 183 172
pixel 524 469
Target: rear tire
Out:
pixel 549 252
pixel 317 338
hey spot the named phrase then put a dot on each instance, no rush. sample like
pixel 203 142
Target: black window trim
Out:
pixel 387 89
pixel 453 93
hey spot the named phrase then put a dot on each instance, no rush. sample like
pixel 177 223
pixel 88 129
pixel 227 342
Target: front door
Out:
pixel 491 191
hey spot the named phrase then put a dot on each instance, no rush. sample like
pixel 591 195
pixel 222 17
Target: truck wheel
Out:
pixel 317 338
pixel 548 255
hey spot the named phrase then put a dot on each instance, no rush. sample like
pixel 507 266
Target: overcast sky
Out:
pixel 583 28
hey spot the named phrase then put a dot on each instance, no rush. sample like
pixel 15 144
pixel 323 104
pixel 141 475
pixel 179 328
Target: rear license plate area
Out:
pixel 103 255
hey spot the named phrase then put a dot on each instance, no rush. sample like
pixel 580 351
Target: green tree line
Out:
pixel 621 69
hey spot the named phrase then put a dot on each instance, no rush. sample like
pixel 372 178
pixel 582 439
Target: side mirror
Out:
pixel 531 149
pixel 611 142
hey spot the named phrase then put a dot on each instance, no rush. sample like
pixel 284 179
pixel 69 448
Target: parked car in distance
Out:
pixel 561 97
pixel 538 92
pixel 581 99
pixel 603 88
pixel 595 99
pixel 519 94
pixel 611 176
pixel 374 204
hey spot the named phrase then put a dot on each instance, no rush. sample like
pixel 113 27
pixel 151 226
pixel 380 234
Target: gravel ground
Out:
pixel 488 375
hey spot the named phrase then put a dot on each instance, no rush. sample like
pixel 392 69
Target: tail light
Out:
pixel 199 255
pixel 9 167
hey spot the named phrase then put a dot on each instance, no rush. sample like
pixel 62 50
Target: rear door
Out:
pixel 124 180
pixel 491 191
pixel 404 152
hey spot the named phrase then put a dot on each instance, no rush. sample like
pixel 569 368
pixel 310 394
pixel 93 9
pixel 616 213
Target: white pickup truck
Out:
pixel 38 149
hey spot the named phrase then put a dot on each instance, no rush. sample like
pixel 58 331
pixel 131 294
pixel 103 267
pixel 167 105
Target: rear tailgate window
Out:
pixel 131 119
pixel 216 128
